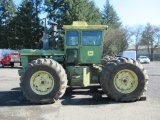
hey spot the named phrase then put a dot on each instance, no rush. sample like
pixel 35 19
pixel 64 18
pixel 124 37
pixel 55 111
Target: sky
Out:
pixel 135 12
pixel 132 12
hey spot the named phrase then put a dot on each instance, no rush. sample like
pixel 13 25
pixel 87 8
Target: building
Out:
pixel 143 50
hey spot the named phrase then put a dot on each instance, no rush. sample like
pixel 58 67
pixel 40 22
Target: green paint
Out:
pixel 78 75
pixel 83 46
pixel 87 43
pixel 24 60
pixel 31 52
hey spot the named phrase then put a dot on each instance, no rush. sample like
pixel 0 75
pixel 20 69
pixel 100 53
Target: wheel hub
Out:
pixel 42 82
pixel 125 81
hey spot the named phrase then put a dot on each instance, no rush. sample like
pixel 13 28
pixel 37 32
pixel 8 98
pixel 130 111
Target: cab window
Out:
pixel 91 38
pixel 72 38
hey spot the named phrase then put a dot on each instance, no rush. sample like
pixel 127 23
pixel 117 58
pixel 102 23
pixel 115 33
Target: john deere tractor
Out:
pixel 46 73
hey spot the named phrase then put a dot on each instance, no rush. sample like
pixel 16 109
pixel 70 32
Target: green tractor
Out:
pixel 45 74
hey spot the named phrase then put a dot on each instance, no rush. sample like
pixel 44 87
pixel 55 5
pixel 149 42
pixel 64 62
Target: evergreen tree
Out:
pixel 37 8
pixel 12 34
pixel 7 13
pixel 116 39
pixel 110 17
pixel 67 11
pixel 28 31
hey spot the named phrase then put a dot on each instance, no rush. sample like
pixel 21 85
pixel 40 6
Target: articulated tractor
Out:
pixel 46 73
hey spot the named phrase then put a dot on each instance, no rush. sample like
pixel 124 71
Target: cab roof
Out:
pixel 83 25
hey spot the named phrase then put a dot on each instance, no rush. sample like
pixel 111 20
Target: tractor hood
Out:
pixel 41 52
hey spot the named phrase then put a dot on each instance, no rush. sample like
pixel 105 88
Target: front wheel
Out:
pixel 124 80
pixel 43 81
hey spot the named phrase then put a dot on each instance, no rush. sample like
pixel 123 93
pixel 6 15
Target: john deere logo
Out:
pixel 90 53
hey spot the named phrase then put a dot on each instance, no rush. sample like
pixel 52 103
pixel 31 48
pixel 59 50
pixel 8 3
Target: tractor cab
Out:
pixel 83 42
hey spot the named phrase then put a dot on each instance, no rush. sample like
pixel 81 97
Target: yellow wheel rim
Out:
pixel 125 81
pixel 42 82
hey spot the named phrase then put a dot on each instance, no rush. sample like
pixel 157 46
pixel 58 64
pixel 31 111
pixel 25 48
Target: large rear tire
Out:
pixel 106 59
pixel 124 80
pixel 43 81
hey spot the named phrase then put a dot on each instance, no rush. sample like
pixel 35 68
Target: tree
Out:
pixel 67 11
pixel 110 17
pixel 116 41
pixel 151 38
pixel 28 31
pixel 124 38
pixel 12 34
pixel 37 4
pixel 137 33
pixel 7 13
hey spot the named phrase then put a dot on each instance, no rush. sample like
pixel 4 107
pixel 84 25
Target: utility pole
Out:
pixel 45 36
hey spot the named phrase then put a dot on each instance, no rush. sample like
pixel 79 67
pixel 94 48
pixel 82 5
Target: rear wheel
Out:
pixel 43 81
pixel 124 80
pixel 106 59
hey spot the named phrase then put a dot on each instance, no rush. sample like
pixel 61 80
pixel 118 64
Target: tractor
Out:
pixel 46 73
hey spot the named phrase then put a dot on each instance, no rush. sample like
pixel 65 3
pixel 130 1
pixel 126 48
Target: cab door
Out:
pixel 91 46
pixel 72 46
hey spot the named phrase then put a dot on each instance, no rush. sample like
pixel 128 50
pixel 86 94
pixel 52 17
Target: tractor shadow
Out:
pixel 92 95
pixel 14 97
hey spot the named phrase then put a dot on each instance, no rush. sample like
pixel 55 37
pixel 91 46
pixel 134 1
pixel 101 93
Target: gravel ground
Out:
pixel 78 104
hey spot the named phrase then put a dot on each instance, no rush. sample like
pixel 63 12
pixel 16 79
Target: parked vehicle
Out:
pixel 129 54
pixel 1 58
pixel 15 58
pixel 8 59
pixel 143 59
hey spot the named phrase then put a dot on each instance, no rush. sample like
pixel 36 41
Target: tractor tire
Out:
pixel 124 80
pixel 106 59
pixel 43 81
